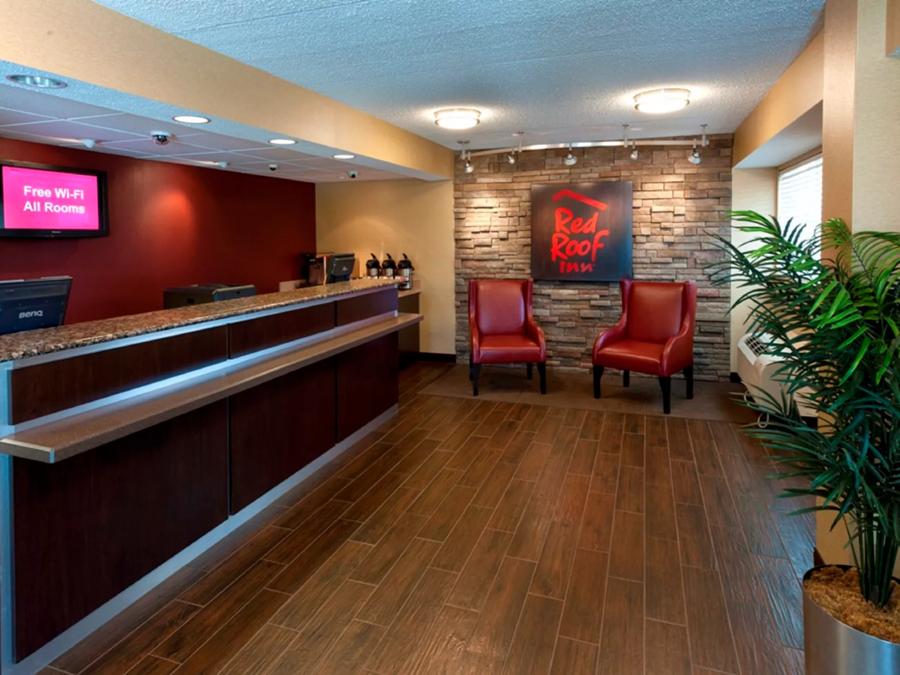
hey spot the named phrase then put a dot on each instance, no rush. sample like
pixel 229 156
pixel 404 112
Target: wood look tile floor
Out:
pixel 475 536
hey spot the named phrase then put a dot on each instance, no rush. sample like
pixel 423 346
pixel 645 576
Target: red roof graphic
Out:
pixel 600 206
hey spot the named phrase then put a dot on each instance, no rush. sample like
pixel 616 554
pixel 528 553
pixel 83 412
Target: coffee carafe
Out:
pixel 405 270
pixel 373 267
pixel 388 267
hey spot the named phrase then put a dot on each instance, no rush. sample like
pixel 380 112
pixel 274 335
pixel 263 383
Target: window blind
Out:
pixel 800 194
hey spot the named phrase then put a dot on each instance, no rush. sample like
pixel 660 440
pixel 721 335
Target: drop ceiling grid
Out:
pixel 43 118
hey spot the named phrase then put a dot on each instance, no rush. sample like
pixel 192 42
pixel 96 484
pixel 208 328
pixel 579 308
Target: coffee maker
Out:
pixel 405 271
pixel 373 267
pixel 388 267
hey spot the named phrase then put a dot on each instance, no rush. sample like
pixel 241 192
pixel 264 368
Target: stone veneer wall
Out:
pixel 677 206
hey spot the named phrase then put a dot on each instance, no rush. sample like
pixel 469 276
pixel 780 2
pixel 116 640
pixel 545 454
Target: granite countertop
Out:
pixel 47 340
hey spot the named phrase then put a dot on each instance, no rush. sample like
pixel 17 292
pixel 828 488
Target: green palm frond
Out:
pixel 831 306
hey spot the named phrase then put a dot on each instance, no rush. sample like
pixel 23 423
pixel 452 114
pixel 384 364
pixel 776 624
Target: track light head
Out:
pixel 570 159
pixel 634 154
pixel 511 158
pixel 695 157
pixel 469 167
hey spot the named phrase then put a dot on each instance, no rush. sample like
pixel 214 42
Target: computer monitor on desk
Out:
pixel 26 304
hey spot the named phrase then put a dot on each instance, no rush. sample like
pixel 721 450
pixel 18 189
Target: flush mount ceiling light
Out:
pixel 37 81
pixel 344 155
pixel 570 159
pixel 457 118
pixel 658 101
pixel 282 141
pixel 191 119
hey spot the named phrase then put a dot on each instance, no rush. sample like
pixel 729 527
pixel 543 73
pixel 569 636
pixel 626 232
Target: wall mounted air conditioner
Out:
pixel 757 368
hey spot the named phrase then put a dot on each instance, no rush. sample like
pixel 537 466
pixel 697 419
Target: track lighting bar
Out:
pixel 703 142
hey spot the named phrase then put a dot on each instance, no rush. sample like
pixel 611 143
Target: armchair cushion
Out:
pixel 509 349
pixel 641 357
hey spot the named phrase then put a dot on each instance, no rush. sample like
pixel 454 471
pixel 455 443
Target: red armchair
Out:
pixel 502 328
pixel 655 335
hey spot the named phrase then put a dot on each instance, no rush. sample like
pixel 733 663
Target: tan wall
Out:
pixel 838 109
pixel 754 189
pixel 797 91
pixel 876 138
pixel 892 35
pixel 865 184
pixel 404 216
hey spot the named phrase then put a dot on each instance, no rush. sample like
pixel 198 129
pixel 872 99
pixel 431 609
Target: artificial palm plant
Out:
pixel 831 304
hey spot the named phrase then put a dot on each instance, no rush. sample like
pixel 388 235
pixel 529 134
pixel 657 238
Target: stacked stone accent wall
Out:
pixel 677 207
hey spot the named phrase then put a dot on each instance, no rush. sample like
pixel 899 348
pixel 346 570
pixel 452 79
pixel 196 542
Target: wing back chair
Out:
pixel 502 328
pixel 655 335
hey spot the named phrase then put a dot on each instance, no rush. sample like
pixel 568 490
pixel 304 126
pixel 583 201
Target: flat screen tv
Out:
pixel 37 200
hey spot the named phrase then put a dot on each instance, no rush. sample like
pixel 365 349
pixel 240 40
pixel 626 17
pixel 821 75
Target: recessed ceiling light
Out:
pixel 37 81
pixel 457 118
pixel 191 119
pixel 344 155
pixel 659 101
pixel 282 141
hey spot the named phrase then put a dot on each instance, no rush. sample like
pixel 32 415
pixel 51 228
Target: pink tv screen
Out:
pixel 44 201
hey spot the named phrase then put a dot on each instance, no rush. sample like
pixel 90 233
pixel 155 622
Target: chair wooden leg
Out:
pixel 665 384
pixel 542 374
pixel 689 381
pixel 626 378
pixel 474 372
pixel 528 370
pixel 598 373
pixel 471 366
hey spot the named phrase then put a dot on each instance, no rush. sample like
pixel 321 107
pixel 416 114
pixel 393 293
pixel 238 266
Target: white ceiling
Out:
pixel 561 70
pixel 29 115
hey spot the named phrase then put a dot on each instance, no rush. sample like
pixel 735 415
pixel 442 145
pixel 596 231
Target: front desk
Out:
pixel 127 440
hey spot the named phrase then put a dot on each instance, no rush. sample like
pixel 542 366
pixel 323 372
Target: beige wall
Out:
pixel 404 216
pixel 892 35
pixel 838 109
pixel 797 91
pixel 865 184
pixel 876 137
pixel 753 189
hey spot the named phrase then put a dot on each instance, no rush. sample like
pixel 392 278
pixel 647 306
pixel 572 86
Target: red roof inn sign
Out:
pixel 581 232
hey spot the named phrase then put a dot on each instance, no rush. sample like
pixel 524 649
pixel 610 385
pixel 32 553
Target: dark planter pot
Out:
pixel 834 648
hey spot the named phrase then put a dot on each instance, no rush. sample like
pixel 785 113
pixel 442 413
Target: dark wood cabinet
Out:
pixel 89 527
pixel 367 383
pixel 45 388
pixel 278 428
pixel 366 306
pixel 253 334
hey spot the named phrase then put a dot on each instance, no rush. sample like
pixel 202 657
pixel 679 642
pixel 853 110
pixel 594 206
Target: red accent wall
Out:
pixel 169 225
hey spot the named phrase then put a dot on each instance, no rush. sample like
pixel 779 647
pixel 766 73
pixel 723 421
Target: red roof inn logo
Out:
pixel 581 232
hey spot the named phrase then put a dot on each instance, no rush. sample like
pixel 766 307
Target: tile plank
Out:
pixel 583 611
pixel 626 558
pixel 712 645
pixel 622 642
pixel 532 647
